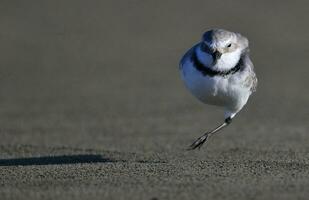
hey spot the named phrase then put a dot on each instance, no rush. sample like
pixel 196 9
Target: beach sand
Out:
pixel 93 107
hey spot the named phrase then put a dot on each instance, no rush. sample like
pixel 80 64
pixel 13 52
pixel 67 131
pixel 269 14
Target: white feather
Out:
pixel 227 92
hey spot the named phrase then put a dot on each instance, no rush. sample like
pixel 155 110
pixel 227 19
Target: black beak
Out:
pixel 216 56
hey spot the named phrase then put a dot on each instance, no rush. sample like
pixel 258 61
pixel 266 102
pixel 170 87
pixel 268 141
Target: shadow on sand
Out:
pixel 55 160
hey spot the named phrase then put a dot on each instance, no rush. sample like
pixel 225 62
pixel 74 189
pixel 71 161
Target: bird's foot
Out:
pixel 199 142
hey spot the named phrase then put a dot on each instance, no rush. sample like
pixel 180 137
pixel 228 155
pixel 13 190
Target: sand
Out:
pixel 92 105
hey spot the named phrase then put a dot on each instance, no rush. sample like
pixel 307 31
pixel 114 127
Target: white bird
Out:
pixel 218 71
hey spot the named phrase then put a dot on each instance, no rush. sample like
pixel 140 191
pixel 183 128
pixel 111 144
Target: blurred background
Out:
pixel 102 76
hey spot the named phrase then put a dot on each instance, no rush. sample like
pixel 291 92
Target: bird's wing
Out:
pixel 251 80
pixel 186 55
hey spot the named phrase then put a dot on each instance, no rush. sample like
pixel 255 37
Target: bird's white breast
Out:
pixel 226 62
pixel 217 90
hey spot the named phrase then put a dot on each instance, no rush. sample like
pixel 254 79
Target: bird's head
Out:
pixel 221 49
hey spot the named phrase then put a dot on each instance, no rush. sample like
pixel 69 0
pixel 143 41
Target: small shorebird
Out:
pixel 218 71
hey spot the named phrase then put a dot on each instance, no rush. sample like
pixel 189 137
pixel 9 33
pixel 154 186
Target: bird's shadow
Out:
pixel 56 160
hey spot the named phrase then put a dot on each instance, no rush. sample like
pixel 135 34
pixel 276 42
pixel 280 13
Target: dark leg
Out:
pixel 201 140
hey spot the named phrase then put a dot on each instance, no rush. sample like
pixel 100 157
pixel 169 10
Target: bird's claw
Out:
pixel 199 142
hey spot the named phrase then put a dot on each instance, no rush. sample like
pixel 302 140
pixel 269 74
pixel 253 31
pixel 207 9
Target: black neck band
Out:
pixel 210 72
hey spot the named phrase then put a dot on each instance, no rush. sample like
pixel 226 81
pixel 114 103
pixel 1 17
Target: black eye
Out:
pixel 229 45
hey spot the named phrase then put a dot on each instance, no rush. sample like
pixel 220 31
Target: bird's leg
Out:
pixel 201 140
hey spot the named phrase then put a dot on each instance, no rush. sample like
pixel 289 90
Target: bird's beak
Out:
pixel 216 55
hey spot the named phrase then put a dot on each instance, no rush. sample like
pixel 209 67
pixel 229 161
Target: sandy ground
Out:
pixel 92 105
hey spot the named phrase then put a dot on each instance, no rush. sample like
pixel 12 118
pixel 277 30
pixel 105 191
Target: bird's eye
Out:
pixel 229 45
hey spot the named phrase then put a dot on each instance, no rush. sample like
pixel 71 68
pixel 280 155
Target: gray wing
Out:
pixel 254 81
pixel 251 80
pixel 186 56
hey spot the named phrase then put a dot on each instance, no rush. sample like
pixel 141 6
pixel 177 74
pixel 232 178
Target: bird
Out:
pixel 218 71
